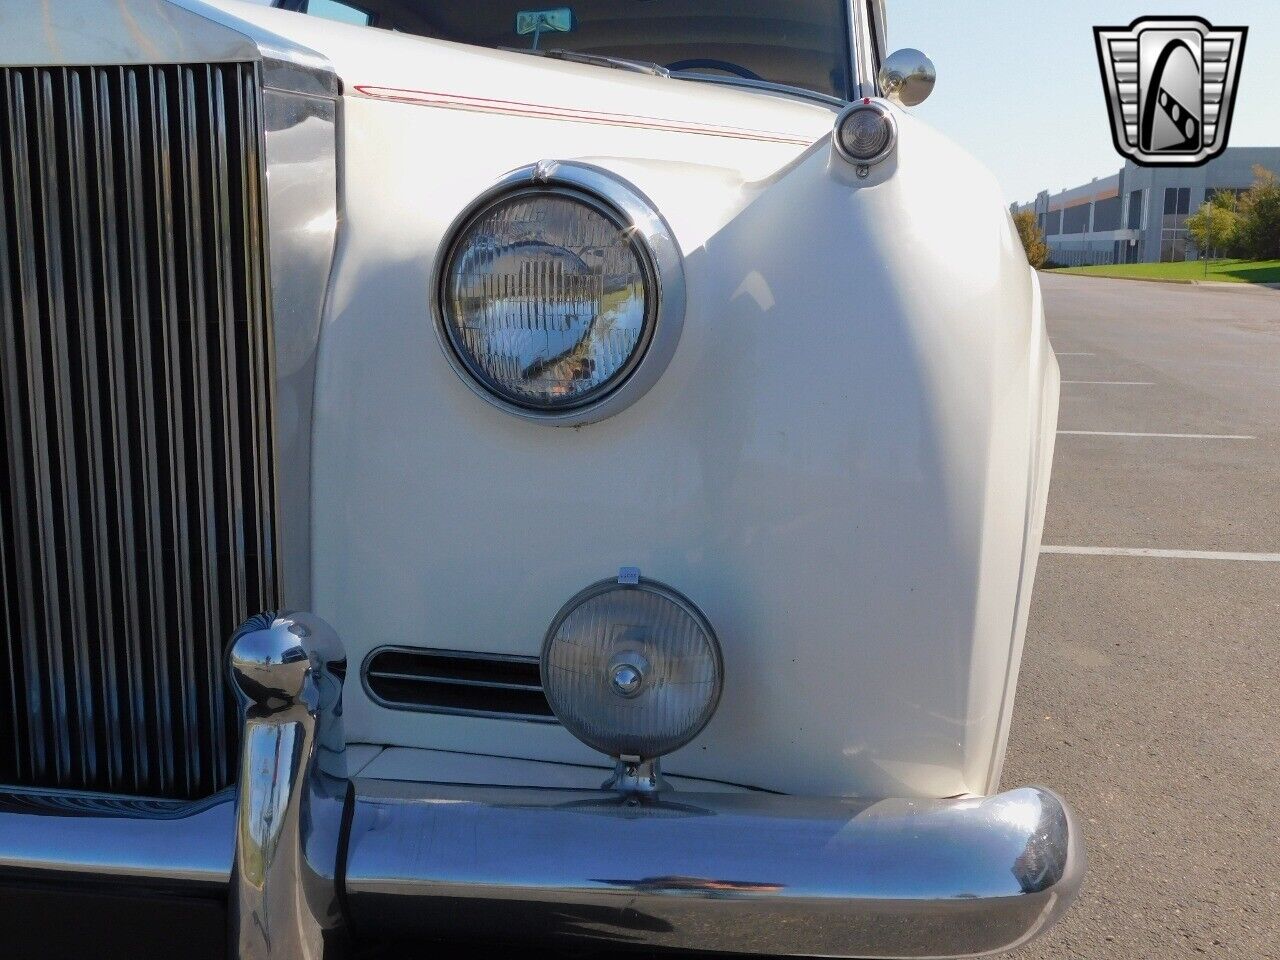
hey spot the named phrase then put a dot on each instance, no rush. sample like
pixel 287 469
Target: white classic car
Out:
pixel 628 384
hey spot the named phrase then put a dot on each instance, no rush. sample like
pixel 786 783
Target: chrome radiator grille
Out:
pixel 137 517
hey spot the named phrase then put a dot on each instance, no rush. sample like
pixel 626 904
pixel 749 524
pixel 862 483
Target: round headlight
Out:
pixel 551 291
pixel 633 670
pixel 866 132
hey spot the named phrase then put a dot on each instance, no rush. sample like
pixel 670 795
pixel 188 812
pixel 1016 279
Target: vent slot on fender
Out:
pixel 457 682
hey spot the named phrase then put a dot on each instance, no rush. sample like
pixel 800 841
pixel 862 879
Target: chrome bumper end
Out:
pixel 320 859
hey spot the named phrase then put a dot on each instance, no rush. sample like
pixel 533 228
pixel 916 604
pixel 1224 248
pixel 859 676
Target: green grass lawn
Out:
pixel 1229 271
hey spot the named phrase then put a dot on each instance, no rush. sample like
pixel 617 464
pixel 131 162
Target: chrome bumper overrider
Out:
pixel 317 856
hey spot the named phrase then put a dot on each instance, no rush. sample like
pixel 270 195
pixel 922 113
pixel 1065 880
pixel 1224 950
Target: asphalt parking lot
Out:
pixel 1150 688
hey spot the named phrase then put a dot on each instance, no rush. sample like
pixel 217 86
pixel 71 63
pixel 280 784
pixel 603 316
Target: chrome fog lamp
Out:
pixel 866 132
pixel 632 668
pixel 560 293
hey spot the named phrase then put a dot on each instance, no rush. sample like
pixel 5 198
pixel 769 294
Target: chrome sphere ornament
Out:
pixel 907 77
pixel 632 668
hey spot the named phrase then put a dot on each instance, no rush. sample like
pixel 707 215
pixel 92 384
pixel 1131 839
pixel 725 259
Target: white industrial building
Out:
pixel 1139 214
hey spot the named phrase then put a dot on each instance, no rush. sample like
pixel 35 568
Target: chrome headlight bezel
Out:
pixel 662 264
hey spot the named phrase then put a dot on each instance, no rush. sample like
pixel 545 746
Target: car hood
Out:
pixel 389 65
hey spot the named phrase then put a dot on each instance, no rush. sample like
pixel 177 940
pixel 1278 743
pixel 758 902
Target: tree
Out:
pixel 1260 216
pixel 1215 227
pixel 1031 237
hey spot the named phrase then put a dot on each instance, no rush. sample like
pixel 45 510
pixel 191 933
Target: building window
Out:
pixel 1053 225
pixel 1106 214
pixel 1173 228
pixel 1177 201
pixel 1076 219
pixel 1135 210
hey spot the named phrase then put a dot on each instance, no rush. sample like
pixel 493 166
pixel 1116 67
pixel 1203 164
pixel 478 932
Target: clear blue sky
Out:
pixel 1018 81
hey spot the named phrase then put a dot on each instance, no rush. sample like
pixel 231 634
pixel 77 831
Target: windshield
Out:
pixel 800 43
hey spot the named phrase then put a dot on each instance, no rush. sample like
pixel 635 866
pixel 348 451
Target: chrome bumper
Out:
pixel 317 856
pixel 742 873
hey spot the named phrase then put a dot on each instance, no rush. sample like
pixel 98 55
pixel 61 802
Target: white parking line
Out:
pixel 1163 554
pixel 1061 354
pixel 1171 436
pixel 1111 383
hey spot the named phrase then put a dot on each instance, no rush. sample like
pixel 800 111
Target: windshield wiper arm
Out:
pixel 599 60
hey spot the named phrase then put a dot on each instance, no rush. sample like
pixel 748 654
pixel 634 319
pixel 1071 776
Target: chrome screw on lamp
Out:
pixel 632 668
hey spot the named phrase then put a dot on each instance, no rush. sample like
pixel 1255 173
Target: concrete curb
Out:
pixel 1219 284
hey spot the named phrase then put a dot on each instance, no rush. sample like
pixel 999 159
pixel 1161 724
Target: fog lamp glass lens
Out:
pixel 547 299
pixel 632 670
pixel 865 134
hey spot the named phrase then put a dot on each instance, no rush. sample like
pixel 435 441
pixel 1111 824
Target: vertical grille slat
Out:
pixel 263 486
pixel 139 325
pixel 227 341
pixel 85 260
pixel 137 523
pixel 198 172
pixel 160 228
pixel 114 467
pixel 34 218
pixel 24 683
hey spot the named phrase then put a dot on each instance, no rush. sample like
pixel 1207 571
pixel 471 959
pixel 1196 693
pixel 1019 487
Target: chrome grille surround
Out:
pixel 151 501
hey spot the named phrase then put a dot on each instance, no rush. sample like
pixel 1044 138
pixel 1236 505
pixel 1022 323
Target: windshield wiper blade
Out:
pixel 599 60
pixel 658 70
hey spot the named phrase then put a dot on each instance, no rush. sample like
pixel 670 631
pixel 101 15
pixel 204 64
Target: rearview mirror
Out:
pixel 537 22
pixel 907 77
